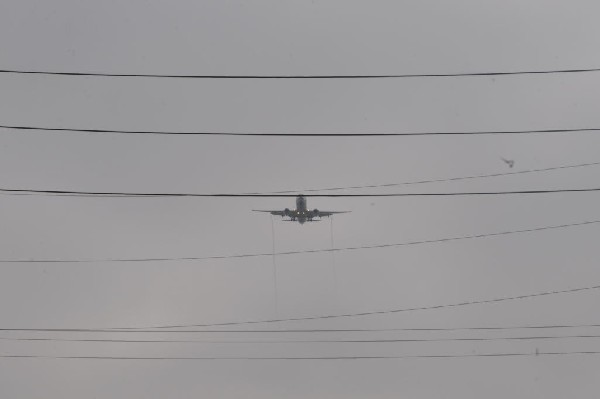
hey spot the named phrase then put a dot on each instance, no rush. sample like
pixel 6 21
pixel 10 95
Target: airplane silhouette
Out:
pixel 301 214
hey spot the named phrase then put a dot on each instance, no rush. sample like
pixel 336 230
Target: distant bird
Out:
pixel 509 162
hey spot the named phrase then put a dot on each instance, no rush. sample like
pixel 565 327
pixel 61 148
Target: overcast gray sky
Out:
pixel 297 37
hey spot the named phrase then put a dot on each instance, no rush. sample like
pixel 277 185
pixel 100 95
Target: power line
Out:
pixel 164 328
pixel 287 253
pixel 380 312
pixel 314 135
pixel 458 178
pixel 301 331
pixel 448 179
pixel 471 355
pixel 265 195
pixel 364 76
pixel 311 341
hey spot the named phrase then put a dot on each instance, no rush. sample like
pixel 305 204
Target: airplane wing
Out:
pixel 306 221
pixel 294 214
pixel 329 213
pixel 276 213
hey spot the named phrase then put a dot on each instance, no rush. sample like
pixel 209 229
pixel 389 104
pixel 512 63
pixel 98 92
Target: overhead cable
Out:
pixel 168 328
pixel 289 134
pixel 449 356
pixel 378 312
pixel 302 76
pixel 310 331
pixel 287 253
pixel 448 179
pixel 265 195
pixel 305 341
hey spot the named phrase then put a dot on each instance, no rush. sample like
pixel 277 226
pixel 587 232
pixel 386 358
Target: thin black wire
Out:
pixel 250 195
pixel 472 177
pixel 311 341
pixel 287 253
pixel 372 313
pixel 365 76
pixel 296 331
pixel 515 354
pixel 481 176
pixel 167 328
pixel 262 134
pixel 391 184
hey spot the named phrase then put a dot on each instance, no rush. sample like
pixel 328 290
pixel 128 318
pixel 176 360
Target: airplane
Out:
pixel 301 214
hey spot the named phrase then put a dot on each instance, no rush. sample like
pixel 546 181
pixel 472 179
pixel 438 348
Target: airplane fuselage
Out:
pixel 301 203
pixel 302 212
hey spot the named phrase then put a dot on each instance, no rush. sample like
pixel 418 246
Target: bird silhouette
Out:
pixel 509 162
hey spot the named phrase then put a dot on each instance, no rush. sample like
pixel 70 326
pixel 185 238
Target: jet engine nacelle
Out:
pixel 286 211
pixel 315 212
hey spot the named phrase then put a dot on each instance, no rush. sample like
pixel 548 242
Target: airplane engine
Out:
pixel 286 211
pixel 315 212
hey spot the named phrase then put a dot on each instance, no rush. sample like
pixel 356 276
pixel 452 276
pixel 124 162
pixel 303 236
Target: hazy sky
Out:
pixel 296 37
